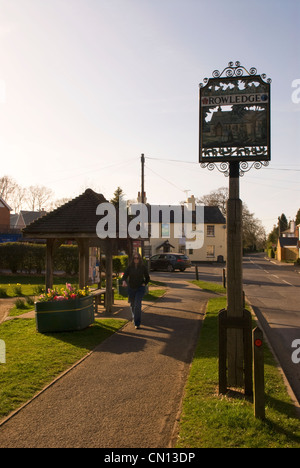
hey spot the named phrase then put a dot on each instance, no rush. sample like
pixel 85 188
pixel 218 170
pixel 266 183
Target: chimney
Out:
pixel 191 200
pixel 292 227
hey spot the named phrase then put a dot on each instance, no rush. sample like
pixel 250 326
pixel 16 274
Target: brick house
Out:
pixel 4 216
pixel 288 244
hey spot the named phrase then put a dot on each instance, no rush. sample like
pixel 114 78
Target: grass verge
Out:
pixel 212 421
pixel 33 359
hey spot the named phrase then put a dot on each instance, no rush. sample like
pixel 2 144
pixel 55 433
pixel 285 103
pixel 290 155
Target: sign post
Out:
pixel 234 137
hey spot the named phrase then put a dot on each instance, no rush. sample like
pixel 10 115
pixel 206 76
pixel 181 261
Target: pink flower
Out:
pixel 59 298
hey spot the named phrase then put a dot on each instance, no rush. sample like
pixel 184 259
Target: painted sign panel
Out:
pixel 235 119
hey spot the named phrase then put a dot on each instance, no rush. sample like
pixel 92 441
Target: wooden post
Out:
pixel 234 277
pixel 83 248
pixel 224 278
pixel 109 279
pixel 244 325
pixel 258 374
pixel 222 351
pixel 49 263
pixel 197 273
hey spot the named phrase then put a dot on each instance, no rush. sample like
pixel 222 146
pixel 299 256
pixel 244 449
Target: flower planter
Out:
pixel 64 315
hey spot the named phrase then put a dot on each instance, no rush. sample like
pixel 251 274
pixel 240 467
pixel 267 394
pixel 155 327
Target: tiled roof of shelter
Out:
pixel 77 216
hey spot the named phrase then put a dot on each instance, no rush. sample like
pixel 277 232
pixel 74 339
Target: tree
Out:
pixel 297 219
pixel 282 223
pixel 254 235
pixel 7 188
pixel 39 197
pixel 59 202
pixel 118 194
pixel 217 197
pixel 273 236
pixel 18 198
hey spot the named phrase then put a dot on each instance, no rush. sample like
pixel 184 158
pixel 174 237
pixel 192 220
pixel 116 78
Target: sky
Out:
pixel 87 86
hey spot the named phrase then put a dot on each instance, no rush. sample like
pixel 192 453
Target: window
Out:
pixel 210 251
pixel 211 230
pixel 165 230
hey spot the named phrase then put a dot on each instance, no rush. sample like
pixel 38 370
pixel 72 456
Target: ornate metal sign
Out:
pixel 235 117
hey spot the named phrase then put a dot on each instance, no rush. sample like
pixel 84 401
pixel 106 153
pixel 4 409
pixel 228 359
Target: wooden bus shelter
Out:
pixel 76 221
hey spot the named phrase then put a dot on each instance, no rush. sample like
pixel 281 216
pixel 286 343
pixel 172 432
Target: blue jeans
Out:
pixel 135 297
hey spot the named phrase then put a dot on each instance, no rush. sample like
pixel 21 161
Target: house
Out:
pixel 12 224
pixel 4 216
pixel 24 218
pixel 288 244
pixel 214 235
pixel 7 234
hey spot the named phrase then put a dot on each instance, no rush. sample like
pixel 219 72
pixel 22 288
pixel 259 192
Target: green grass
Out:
pixel 212 421
pixel 33 359
pixel 211 287
pixel 27 285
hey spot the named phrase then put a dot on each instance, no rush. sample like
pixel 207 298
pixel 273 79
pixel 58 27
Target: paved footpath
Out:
pixel 128 392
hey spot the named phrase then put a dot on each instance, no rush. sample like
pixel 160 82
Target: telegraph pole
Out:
pixel 142 192
pixel 143 179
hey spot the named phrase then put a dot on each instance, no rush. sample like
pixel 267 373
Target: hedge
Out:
pixel 31 258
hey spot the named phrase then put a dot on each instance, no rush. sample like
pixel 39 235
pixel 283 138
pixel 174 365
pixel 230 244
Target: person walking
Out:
pixel 136 277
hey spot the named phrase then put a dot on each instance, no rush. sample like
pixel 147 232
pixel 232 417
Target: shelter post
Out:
pixel 83 247
pixel 49 263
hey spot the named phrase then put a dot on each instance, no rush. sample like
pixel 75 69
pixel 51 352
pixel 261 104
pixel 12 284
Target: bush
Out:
pixel 31 258
pixel 117 265
pixel 12 255
pixel 20 304
pixel 3 293
pixel 66 259
pixel 17 290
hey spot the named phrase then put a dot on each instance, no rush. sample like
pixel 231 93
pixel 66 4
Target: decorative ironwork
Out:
pixel 235 116
pixel 244 166
pixel 236 153
pixel 224 167
pixel 234 69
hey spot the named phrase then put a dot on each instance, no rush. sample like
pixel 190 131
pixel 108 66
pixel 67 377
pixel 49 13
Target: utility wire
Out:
pixel 163 178
pixel 194 162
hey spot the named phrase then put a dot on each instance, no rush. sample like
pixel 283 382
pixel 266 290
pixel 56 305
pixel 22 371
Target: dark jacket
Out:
pixel 137 276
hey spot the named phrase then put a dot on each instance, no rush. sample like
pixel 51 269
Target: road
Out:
pixel 273 291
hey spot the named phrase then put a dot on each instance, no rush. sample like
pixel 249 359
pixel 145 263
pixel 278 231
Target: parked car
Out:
pixel 170 262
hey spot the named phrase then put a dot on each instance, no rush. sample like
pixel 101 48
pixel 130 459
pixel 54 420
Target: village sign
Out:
pixel 234 117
